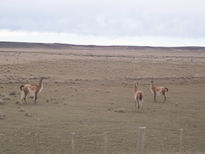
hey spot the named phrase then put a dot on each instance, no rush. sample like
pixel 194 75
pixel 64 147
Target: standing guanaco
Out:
pixel 138 96
pixel 32 89
pixel 158 90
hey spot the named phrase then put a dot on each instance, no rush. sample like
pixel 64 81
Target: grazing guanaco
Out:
pixel 158 90
pixel 138 96
pixel 32 89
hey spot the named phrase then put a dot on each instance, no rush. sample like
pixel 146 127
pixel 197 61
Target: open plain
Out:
pixel 89 90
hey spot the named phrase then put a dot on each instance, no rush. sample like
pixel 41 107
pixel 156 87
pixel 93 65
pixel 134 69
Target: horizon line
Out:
pixel 97 45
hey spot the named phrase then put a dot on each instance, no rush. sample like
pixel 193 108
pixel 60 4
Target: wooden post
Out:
pixel 105 142
pixel 141 140
pixel 1 142
pixel 36 138
pixel 181 141
pixel 73 143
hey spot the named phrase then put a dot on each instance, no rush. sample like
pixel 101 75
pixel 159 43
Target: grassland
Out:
pixel 85 89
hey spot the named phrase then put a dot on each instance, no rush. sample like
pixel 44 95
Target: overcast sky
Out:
pixel 104 22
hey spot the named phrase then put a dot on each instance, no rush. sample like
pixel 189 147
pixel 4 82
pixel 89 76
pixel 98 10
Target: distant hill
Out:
pixel 67 46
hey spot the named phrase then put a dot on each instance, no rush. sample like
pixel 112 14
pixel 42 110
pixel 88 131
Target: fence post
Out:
pixel 141 140
pixel 73 143
pixel 1 142
pixel 105 142
pixel 36 138
pixel 181 141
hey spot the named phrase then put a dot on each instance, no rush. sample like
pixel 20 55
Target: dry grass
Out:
pixel 90 91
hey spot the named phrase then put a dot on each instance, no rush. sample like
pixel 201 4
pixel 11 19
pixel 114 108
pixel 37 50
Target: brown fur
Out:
pixel 161 90
pixel 34 87
pixel 138 95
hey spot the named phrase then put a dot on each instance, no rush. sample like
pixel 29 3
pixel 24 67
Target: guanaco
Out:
pixel 138 97
pixel 158 90
pixel 32 89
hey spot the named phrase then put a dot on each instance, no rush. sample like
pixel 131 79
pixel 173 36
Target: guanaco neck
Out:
pixel 135 88
pixel 152 87
pixel 41 83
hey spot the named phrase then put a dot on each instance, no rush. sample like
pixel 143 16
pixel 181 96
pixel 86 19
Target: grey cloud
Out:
pixel 116 18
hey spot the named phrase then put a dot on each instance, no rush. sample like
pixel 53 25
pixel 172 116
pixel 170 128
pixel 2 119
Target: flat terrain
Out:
pixel 89 90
